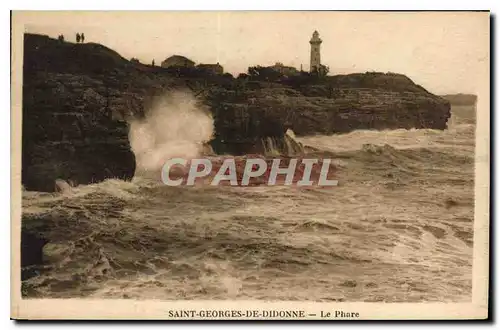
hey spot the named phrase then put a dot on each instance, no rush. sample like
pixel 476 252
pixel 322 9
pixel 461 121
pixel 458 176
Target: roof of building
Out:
pixel 178 57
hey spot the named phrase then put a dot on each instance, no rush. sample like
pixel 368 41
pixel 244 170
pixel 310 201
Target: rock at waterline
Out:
pixel 62 186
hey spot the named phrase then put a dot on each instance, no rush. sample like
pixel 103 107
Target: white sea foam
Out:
pixel 176 126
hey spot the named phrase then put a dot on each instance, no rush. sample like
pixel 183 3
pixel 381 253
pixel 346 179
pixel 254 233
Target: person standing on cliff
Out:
pixel 83 38
pixel 77 37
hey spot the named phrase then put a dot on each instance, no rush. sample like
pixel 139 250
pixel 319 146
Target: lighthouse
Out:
pixel 315 52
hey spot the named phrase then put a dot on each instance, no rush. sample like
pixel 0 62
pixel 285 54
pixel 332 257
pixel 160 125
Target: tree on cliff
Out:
pixel 264 73
pixel 322 71
pixel 304 78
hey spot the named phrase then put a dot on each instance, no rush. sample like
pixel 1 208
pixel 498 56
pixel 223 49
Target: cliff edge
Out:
pixel 78 98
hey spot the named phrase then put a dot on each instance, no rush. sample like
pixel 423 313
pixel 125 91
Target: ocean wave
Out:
pixel 399 227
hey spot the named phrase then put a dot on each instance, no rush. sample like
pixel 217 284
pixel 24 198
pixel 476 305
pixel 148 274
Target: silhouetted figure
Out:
pixel 153 64
pixel 60 38
pixel 83 38
pixel 77 37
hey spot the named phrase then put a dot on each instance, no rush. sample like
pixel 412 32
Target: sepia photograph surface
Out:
pixel 250 165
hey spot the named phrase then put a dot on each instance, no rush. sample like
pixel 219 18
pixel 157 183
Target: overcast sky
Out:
pixel 444 52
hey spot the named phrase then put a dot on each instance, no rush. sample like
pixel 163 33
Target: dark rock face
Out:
pixel 31 249
pixel 69 129
pixel 336 106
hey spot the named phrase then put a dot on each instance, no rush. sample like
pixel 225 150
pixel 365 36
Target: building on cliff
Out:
pixel 315 52
pixel 177 61
pixel 212 68
pixel 285 70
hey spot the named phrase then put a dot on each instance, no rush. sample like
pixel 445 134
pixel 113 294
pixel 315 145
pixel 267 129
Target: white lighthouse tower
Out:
pixel 315 52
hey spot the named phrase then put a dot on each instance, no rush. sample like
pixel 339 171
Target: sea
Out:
pixel 398 227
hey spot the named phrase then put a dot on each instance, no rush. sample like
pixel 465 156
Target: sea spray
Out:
pixel 175 126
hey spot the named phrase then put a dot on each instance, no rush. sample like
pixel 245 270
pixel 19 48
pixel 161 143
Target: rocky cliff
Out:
pixel 311 110
pixel 312 105
pixel 68 130
pixel 77 99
